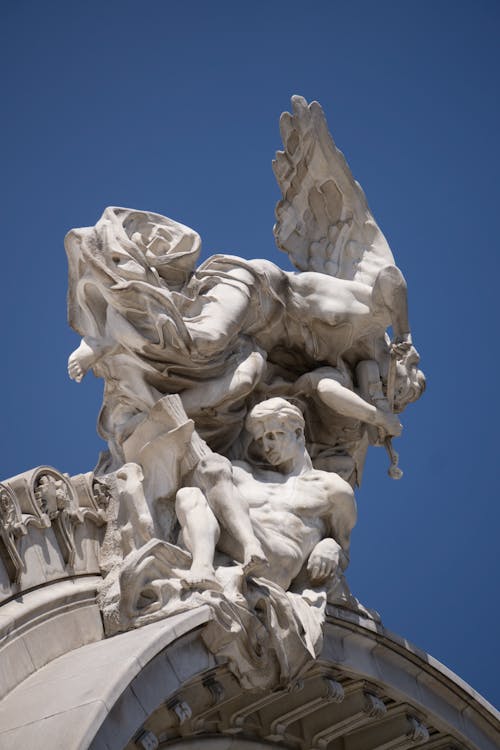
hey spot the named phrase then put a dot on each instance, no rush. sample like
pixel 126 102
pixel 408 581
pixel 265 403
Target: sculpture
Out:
pixel 300 520
pixel 244 394
pixel 294 509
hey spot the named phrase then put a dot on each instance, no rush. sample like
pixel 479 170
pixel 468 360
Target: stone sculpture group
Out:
pixel 239 403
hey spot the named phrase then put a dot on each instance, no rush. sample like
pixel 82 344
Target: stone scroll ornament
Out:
pixel 239 404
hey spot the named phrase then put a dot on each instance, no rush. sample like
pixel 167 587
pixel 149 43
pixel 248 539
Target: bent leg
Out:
pixel 200 532
pixel 214 476
pixel 243 374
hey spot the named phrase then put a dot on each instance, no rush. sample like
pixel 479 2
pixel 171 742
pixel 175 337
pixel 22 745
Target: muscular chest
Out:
pixel 303 496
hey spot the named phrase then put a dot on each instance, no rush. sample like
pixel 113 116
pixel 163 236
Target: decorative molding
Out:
pixel 45 498
pixel 94 495
pixel 56 498
pixel 418 732
pixel 336 692
pixel 374 706
pixel 12 526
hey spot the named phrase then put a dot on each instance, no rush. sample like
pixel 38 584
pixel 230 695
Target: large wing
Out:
pixel 323 220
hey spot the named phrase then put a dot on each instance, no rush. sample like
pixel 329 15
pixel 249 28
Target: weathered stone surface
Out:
pixel 59 526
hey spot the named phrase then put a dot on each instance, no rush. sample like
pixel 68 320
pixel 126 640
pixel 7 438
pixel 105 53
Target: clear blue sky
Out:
pixel 174 108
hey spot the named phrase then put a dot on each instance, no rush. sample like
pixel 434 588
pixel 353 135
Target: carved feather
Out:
pixel 323 220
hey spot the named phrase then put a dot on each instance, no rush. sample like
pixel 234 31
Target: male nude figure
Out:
pixel 301 517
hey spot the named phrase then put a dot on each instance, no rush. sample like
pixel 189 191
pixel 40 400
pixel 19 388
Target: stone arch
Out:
pixel 160 687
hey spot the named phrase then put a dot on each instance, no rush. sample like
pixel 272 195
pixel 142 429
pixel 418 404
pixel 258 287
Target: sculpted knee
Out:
pixel 215 468
pixel 329 385
pixel 188 499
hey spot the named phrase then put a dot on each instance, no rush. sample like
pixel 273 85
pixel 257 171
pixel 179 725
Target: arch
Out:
pixel 159 687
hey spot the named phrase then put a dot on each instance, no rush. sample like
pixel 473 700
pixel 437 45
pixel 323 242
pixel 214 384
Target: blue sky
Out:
pixel 174 108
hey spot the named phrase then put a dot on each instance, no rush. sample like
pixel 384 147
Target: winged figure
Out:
pixel 323 220
pixel 231 332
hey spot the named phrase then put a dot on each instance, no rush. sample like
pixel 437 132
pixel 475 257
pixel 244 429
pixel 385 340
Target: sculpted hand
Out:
pixel 324 561
pixel 401 345
pixel 388 423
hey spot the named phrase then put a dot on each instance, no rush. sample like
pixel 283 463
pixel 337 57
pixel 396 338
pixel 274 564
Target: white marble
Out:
pixel 240 401
pixel 239 404
pixel 284 513
pixel 153 324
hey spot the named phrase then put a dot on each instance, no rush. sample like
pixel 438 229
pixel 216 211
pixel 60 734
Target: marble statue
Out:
pixel 191 590
pixel 296 520
pixel 295 511
pixel 153 324
pixel 239 403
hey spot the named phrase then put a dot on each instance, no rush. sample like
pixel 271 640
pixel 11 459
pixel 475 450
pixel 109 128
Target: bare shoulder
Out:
pixel 337 485
pixel 342 504
pixel 332 483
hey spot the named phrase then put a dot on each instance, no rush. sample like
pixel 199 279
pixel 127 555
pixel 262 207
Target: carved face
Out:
pixel 279 443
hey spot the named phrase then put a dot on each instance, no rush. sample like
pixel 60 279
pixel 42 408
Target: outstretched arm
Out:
pixel 325 383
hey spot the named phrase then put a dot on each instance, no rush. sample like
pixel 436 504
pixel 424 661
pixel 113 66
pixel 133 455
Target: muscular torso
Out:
pixel 289 515
pixel 320 314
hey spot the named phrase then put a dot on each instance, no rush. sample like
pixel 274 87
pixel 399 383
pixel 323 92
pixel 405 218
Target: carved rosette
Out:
pixel 12 527
pixel 55 499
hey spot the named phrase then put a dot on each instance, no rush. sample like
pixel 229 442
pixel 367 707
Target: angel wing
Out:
pixel 323 220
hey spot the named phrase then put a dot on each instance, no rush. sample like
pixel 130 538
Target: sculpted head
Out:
pixel 410 381
pixel 277 427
